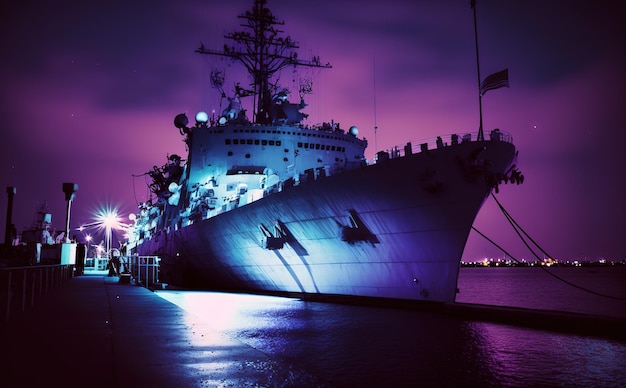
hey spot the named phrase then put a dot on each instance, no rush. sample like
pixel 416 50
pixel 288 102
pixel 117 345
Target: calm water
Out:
pixel 337 345
pixel 534 287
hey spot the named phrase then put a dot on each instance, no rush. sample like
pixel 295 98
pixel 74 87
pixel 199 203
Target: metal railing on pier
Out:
pixel 143 269
pixel 20 287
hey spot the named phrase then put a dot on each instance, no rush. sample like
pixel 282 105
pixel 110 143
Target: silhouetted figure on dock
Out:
pixel 114 266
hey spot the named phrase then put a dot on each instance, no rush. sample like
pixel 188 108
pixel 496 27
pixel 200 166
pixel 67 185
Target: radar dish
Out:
pixel 181 121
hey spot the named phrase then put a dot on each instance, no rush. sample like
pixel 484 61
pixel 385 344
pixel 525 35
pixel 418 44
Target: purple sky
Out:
pixel 90 90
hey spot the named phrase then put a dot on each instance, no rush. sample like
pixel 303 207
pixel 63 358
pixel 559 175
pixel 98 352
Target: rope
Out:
pixel 517 229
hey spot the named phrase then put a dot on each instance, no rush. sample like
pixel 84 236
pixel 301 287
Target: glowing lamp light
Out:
pixel 202 117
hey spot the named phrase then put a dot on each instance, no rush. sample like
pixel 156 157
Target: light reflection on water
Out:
pixel 356 345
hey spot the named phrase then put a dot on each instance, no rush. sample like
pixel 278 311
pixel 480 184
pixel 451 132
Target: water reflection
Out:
pixel 523 357
pixel 355 345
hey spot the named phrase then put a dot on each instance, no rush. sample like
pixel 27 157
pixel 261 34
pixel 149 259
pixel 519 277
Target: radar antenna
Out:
pixel 263 52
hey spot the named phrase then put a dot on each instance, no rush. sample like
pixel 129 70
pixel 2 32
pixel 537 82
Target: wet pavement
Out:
pixel 96 331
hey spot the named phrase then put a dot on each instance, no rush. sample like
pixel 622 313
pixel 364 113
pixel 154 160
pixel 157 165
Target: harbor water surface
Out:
pixel 328 344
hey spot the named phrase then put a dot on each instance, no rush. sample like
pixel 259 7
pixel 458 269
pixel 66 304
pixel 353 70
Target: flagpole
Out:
pixel 480 100
pixel 374 81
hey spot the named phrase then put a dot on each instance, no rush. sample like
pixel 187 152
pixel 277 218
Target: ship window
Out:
pixel 249 141
pixel 247 156
pixel 273 131
pixel 286 149
pixel 278 142
pixel 333 148
pixel 272 141
pixel 247 130
pixel 256 141
pixel 299 144
pixel 306 145
pixel 230 153
pixel 263 142
pixel 227 141
pixel 235 141
pixel 317 146
pixel 285 160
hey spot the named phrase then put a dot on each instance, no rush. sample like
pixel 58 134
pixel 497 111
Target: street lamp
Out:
pixel 88 239
pixel 70 190
pixel 108 220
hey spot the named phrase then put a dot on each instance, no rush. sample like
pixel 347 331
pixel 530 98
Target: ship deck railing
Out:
pixel 439 142
pixel 409 148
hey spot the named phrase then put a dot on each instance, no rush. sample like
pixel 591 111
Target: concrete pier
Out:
pixel 98 332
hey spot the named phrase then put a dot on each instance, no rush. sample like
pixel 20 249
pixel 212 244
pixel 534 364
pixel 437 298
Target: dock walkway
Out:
pixel 97 332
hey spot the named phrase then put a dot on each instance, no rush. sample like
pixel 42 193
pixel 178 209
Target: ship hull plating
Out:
pixel 395 229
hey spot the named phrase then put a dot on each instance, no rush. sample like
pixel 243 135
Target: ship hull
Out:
pixel 396 229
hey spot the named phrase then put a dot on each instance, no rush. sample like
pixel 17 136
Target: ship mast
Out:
pixel 262 50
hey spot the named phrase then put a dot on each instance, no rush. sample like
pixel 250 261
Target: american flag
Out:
pixel 495 81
